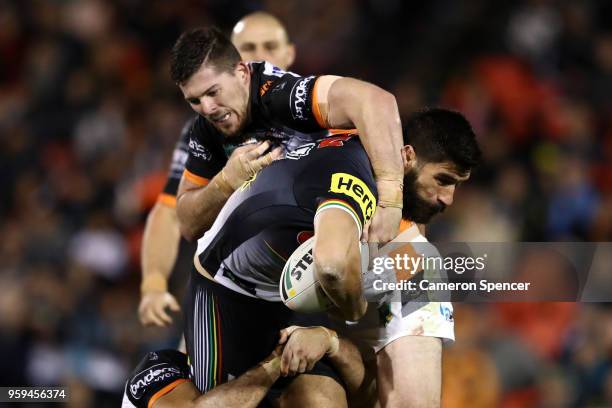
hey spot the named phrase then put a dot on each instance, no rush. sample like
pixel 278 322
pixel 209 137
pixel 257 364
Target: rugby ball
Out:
pixel 299 288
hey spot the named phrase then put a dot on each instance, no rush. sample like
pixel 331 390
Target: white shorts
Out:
pixel 381 326
pixel 386 321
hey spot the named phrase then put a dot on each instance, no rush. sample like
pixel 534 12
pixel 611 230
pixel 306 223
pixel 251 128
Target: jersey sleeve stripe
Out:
pixel 165 390
pixel 334 132
pixel 341 205
pixel 194 178
pixel 167 200
pixel 315 107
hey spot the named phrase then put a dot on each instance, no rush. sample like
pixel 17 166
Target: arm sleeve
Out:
pixel 344 181
pixel 157 374
pixel 206 156
pixel 289 99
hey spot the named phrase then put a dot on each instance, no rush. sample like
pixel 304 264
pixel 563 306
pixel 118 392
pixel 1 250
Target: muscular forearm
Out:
pixel 337 261
pixel 198 207
pixel 245 391
pixel 380 133
pixel 347 361
pixel 375 114
pixel 160 244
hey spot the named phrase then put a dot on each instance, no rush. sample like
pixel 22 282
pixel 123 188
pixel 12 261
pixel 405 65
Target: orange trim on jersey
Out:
pixel 315 106
pixel 194 178
pixel 165 390
pixel 405 224
pixel 167 200
pixel 342 131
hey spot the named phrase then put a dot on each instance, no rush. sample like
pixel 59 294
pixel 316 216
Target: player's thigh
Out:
pixel 410 372
pixel 313 391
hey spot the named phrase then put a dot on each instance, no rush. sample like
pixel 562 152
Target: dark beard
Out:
pixel 415 208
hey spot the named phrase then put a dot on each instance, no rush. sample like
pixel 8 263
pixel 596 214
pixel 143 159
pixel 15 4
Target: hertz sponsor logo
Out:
pixel 353 187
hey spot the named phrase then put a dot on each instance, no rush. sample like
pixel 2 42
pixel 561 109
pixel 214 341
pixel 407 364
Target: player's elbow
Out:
pixel 383 100
pixel 330 267
pixel 333 273
pixel 330 275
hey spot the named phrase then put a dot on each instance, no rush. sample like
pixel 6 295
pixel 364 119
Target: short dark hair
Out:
pixel 441 135
pixel 202 46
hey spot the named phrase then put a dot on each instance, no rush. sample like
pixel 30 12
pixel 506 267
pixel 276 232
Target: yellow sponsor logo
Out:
pixel 353 187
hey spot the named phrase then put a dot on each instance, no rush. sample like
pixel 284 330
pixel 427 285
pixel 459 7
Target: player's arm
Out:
pixel 347 102
pixel 200 200
pixel 337 260
pixel 160 243
pixel 159 250
pixel 246 391
pixel 304 346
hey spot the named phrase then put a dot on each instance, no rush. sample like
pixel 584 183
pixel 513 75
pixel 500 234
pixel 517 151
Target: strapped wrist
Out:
pixel 390 193
pixel 155 282
pixel 333 340
pixel 390 204
pixel 272 368
pixel 222 184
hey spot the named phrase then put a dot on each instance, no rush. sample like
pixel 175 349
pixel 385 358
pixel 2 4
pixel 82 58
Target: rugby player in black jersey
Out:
pixel 258 36
pixel 238 101
pixel 233 308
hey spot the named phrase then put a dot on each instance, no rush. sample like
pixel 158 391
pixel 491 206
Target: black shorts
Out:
pixel 227 333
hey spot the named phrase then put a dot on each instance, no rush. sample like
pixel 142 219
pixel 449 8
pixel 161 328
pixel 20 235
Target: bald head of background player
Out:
pixel 257 36
pixel 260 36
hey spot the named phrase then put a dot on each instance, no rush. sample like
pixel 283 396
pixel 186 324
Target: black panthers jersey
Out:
pixel 283 110
pixel 267 218
pixel 157 374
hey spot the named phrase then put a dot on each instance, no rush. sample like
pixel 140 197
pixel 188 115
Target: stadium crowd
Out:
pixel 89 116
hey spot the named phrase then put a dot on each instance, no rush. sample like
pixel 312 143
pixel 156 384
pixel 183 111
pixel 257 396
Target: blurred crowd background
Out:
pixel 89 116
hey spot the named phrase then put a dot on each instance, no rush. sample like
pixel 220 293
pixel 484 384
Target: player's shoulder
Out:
pixel 266 77
pixel 346 145
pixel 264 70
pixel 155 371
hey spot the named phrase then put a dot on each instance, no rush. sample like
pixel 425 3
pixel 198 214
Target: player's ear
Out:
pixel 408 157
pixel 243 72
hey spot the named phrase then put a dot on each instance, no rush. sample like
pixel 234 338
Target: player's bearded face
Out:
pixel 429 188
pixel 221 97
pixel 416 207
